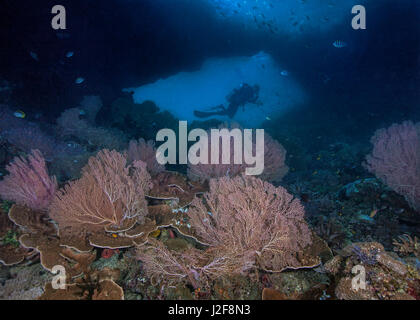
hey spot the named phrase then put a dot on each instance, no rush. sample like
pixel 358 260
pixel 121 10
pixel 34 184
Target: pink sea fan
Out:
pixel 31 137
pixel 395 160
pixel 71 124
pixel 274 163
pixel 246 223
pixel 146 152
pixel 28 182
pixel 109 193
pixel 274 160
pixel 249 216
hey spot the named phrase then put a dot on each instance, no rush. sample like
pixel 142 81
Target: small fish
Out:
pixel 373 213
pixel 339 44
pixel 63 35
pixel 284 73
pixel 82 112
pixel 267 118
pixel 79 80
pixel 69 54
pixel 34 55
pixel 19 114
pixel 365 217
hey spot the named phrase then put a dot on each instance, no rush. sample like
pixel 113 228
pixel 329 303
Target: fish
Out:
pixel 34 55
pixel 339 44
pixel 63 35
pixel 284 73
pixel 373 213
pixel 267 118
pixel 19 114
pixel 79 80
pixel 69 54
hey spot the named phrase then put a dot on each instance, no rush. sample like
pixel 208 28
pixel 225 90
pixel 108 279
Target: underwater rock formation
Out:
pixel 185 92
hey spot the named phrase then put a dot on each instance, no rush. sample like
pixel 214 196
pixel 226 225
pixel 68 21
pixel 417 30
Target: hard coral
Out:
pixel 95 285
pixel 174 187
pixel 385 276
pixel 10 251
pixel 41 235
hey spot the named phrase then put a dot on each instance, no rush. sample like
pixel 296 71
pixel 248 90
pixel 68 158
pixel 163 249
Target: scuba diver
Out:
pixel 238 97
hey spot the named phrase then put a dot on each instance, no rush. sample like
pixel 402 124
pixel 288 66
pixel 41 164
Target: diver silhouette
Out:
pixel 237 98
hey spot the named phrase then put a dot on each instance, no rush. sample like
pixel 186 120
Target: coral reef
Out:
pixel 385 276
pixel 129 229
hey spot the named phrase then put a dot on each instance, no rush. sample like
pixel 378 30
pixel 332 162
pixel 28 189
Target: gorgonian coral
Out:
pixel 246 223
pixel 110 193
pixel 249 216
pixel 32 137
pixel 71 123
pixel 395 159
pixel 28 182
pixel 274 161
pixel 146 152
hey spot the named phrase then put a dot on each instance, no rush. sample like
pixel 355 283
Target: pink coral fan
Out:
pixel 31 137
pixel 246 223
pixel 146 152
pixel 252 217
pixel 28 182
pixel 274 163
pixel 70 123
pixel 274 160
pixel 395 160
pixel 109 193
